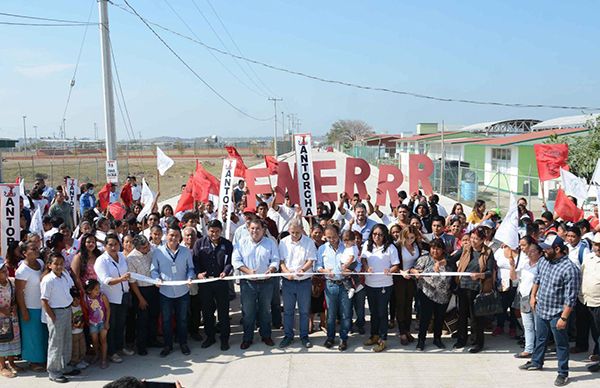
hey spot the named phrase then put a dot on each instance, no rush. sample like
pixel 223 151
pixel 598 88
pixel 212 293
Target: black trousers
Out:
pixel 584 323
pixel 195 314
pixel 465 311
pixel 147 320
pixel 215 297
pixel 430 308
pixel 595 314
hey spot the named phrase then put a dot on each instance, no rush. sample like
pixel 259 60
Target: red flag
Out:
pixel 104 196
pixel 272 164
pixel 126 195
pixel 117 210
pixel 240 167
pixel 566 209
pixel 550 158
pixel 215 185
pixel 186 201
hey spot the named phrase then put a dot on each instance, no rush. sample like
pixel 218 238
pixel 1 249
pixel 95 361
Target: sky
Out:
pixel 534 52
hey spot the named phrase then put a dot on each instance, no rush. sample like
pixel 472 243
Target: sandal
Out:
pixel 16 369
pixel 7 373
pixel 523 355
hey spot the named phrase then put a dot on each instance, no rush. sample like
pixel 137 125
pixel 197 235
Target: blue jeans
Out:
pixel 338 304
pixel 379 299
pixel 256 302
pixel 561 338
pixel 529 329
pixel 296 291
pixel 358 303
pixel 179 306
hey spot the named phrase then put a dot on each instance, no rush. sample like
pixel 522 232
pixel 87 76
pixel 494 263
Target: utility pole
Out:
pixel 275 134
pixel 283 126
pixel 443 162
pixel 37 140
pixel 25 134
pixel 109 104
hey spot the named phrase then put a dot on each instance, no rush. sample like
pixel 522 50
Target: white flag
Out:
pixel 508 231
pixel 36 225
pixel 163 162
pixel 575 186
pixel 596 176
pixel 23 195
pixel 147 199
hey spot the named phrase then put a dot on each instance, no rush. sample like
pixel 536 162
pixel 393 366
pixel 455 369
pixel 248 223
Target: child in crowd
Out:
pixel 156 235
pixel 98 309
pixel 350 262
pixel 78 348
pixel 56 302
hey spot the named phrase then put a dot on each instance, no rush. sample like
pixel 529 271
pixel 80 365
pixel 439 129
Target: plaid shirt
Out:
pixel 559 283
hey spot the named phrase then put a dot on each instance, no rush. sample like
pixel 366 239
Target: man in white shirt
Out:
pixel 578 248
pixel 298 254
pixel 136 191
pixel 590 292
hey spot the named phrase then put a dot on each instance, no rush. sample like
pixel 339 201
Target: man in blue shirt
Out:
pixel 256 254
pixel 172 262
pixel 553 297
pixel 87 200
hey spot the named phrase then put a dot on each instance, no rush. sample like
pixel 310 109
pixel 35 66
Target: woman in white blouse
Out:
pixel 405 287
pixel 525 274
pixel 379 255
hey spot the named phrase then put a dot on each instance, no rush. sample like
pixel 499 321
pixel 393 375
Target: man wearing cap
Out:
pixel 212 259
pixel 553 297
pixel 590 292
pixel 256 254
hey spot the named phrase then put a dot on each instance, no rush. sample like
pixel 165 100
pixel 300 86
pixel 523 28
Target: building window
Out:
pixel 501 159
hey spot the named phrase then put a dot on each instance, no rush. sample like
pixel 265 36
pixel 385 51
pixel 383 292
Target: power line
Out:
pixel 47 24
pixel 192 70
pixel 41 18
pixel 72 83
pixel 210 52
pixel 237 47
pixel 358 86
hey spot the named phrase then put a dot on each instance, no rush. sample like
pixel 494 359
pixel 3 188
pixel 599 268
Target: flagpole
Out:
pixel 157 180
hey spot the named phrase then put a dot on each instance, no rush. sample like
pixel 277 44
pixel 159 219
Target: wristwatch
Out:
pixel 563 319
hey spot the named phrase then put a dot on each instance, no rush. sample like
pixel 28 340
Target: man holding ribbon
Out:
pixel 212 259
pixel 252 255
pixel 298 255
pixel 173 262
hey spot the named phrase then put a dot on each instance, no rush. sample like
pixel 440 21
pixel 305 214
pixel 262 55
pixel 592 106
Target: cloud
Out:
pixel 38 71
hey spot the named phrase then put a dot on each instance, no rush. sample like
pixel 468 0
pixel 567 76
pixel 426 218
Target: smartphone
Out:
pixel 158 384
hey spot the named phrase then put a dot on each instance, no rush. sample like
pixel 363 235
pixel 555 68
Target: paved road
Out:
pixel 264 367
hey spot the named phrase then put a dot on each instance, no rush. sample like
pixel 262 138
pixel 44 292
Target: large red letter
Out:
pixel 385 186
pixel 417 174
pixel 354 179
pixel 285 183
pixel 320 181
pixel 253 189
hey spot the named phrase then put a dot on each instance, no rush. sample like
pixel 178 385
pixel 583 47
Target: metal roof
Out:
pixel 425 137
pixel 502 126
pixel 578 121
pixel 526 137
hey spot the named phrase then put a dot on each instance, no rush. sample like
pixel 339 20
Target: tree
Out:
pixel 584 151
pixel 344 132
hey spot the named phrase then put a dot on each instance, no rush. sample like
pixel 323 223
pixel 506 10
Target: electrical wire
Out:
pixel 191 69
pixel 211 53
pixel 72 83
pixel 237 47
pixel 41 18
pixel 358 86
pixel 46 24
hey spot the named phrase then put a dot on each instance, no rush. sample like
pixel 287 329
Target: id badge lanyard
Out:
pixel 173 257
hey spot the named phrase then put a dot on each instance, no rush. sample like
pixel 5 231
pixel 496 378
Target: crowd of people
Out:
pixel 68 299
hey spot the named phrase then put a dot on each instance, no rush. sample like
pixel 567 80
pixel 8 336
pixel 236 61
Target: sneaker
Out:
pixel 306 343
pixel 380 346
pixel 530 366
pixel 116 359
pixel 593 368
pixel 285 342
pixel 497 331
pixel 561 381
pixel 351 293
pixel 328 343
pixel 59 379
pixel 127 352
pixel 343 346
pixel 371 341
pixel 81 365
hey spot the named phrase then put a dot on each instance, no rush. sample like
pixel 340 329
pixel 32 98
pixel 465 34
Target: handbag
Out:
pixel 487 303
pixel 6 323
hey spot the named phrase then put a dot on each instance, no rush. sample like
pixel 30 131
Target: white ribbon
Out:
pixel 306 275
